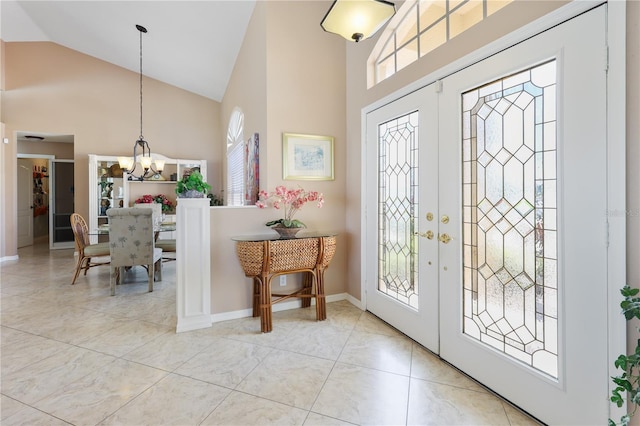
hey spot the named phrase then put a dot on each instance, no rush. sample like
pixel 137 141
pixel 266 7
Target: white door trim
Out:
pixel 616 185
pixel 49 158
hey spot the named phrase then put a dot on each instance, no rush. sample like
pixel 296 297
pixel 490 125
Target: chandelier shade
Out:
pixel 144 158
pixel 356 20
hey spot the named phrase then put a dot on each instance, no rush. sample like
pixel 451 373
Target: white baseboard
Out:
pixel 294 304
pixel 355 302
pixel 8 258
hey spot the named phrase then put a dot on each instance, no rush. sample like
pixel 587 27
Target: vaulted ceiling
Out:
pixel 192 45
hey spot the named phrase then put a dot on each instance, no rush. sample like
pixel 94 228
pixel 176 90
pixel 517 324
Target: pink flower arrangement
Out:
pixel 167 205
pixel 290 200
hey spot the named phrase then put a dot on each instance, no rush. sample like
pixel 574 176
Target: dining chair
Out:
pixel 86 250
pixel 131 243
pixel 167 246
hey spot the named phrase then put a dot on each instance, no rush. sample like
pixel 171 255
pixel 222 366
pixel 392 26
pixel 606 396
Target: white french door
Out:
pixel 403 284
pixel 509 174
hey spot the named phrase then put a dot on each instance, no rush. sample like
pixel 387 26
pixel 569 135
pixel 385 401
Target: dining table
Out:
pixel 163 227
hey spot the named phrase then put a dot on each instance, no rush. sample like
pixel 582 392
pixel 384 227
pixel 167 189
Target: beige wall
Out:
pixel 289 77
pixel 52 89
pixel 247 87
pixel 62 151
pixel 3 194
pixel 4 152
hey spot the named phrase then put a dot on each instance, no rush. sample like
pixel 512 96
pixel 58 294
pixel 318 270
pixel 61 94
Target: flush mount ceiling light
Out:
pixel 128 164
pixel 357 20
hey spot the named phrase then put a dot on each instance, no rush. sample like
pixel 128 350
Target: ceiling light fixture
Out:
pixel 357 20
pixel 128 164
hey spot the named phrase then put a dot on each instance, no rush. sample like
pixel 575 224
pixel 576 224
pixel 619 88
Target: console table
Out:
pixel 265 257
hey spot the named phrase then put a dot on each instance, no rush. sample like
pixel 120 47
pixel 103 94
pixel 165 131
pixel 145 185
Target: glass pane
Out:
pixel 495 5
pixel 455 3
pixel 465 17
pixel 388 50
pixel 428 21
pixel 398 209
pixel 430 12
pixel 433 37
pixel 408 28
pixel 386 68
pixel 510 216
pixel 408 54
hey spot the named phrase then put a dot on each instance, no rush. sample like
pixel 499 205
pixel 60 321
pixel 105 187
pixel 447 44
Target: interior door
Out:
pixel 517 265
pixel 60 232
pixel 402 154
pixel 25 203
pixel 525 275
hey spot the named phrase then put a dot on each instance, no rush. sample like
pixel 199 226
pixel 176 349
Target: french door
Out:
pixel 403 159
pixel 485 221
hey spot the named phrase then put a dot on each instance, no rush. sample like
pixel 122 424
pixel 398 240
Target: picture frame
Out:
pixel 307 157
pixel 252 170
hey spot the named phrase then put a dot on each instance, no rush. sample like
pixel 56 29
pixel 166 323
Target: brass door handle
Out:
pixel 445 238
pixel 428 235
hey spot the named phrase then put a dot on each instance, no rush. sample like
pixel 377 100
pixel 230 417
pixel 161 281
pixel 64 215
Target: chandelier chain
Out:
pixel 141 136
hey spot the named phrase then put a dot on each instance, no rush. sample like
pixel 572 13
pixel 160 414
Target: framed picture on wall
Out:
pixel 252 170
pixel 307 157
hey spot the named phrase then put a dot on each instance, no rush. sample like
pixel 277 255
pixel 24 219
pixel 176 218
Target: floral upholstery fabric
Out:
pixel 157 210
pixel 131 242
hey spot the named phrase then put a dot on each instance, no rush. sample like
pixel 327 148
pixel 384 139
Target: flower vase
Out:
pixel 191 193
pixel 286 232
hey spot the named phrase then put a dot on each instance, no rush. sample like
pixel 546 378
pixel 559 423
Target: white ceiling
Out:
pixel 192 45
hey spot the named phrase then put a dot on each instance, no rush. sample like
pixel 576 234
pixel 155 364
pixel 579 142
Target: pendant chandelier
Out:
pixel 356 20
pixel 128 164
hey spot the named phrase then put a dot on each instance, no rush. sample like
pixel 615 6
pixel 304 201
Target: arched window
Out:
pixel 419 27
pixel 235 159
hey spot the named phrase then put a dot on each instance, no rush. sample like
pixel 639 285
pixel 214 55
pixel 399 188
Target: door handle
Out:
pixel 445 238
pixel 428 235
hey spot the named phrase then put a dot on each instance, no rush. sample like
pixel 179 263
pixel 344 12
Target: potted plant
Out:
pixel 290 200
pixel 215 200
pixel 192 186
pixel 629 380
pixel 161 199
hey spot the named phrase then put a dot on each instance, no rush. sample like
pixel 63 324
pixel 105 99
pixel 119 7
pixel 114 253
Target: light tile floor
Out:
pixel 75 355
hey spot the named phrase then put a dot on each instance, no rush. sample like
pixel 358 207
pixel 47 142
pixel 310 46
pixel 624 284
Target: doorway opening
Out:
pixel 45 178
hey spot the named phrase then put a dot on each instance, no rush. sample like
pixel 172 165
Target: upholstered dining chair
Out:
pixel 167 246
pixel 86 250
pixel 131 243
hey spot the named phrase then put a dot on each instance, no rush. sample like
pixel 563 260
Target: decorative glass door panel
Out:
pixel 398 197
pixel 509 216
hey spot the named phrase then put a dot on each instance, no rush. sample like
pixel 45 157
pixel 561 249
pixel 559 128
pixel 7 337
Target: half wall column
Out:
pixel 193 264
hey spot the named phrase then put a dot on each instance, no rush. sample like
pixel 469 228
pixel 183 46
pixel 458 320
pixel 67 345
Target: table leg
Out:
pixel 266 324
pixel 321 306
pixel 307 287
pixel 256 297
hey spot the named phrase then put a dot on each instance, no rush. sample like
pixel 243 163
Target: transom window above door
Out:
pixel 422 25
